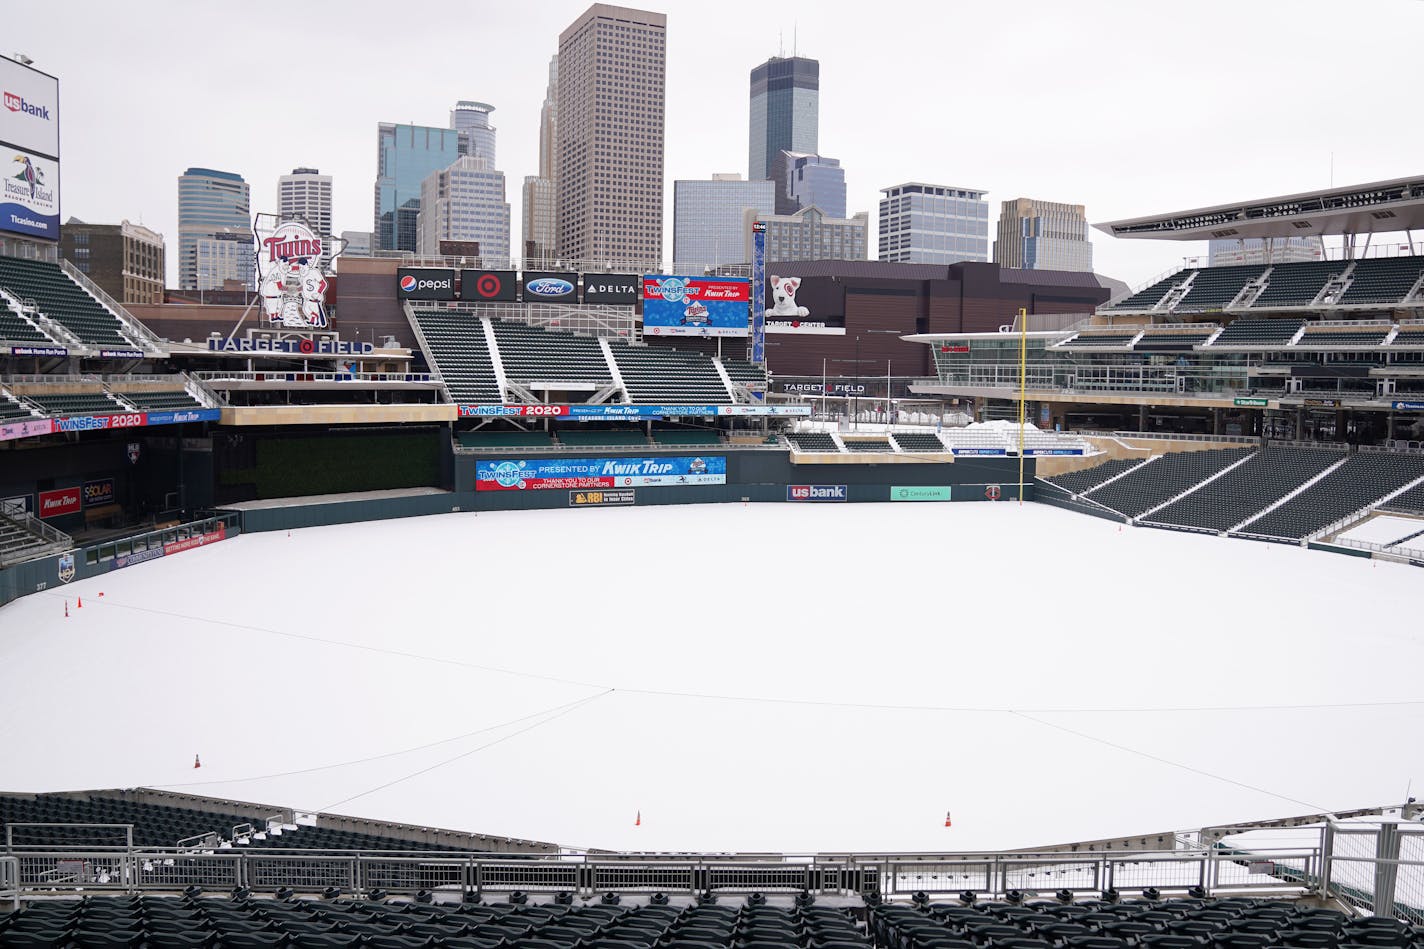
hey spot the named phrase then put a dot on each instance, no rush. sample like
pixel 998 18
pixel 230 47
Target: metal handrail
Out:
pixel 140 334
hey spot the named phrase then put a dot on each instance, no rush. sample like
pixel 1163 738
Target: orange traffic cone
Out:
pixel 946 819
pixel 197 763
pixel 639 821
pixel 81 604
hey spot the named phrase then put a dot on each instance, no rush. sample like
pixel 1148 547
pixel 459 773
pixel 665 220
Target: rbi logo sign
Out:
pixel 489 285
pixel 66 567
pixel 992 492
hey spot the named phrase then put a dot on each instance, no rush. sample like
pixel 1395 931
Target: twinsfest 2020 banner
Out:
pixel 696 306
pixel 574 474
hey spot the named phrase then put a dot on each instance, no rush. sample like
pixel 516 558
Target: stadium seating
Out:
pixel 457 350
pixel 918 441
pixel 1215 287
pixel 602 437
pixel 686 436
pixel 1327 334
pixel 739 370
pixel 161 401
pixel 866 444
pixel 11 410
pixel 153 825
pixel 159 922
pixel 1086 479
pixel 76 403
pixel 659 375
pixel 1382 280
pixel 531 354
pixel 1099 339
pixel 1163 340
pixel 1364 478
pixel 1148 297
pixel 17 543
pixel 63 300
pixel 1410 502
pixel 813 441
pixel 1164 478
pixel 14 329
pixel 1266 333
pixel 1410 334
pixel 1247 489
pixel 1298 284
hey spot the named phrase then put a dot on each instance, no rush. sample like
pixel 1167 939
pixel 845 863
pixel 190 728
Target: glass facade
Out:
pixel 213 204
pixel 933 224
pixel 1043 235
pixel 465 202
pixel 405 157
pixel 472 119
pixel 814 181
pixel 785 112
pixel 707 221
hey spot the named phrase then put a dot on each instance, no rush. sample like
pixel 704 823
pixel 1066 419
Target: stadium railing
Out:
pixel 135 330
pixel 10 881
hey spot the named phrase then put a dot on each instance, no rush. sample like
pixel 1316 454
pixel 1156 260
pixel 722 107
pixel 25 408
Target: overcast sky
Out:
pixel 1126 106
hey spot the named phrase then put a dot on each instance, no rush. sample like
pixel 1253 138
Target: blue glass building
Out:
pixel 214 206
pixel 785 112
pixel 406 155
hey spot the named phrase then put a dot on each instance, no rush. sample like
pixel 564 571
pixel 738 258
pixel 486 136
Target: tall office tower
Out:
pixel 472 119
pixel 405 156
pixel 1043 235
pixel 465 202
pixel 1260 250
pixel 305 195
pixel 707 220
pixel 806 180
pixel 785 112
pixel 541 190
pixel 933 224
pixel 214 207
pixel 612 76
pixel 810 235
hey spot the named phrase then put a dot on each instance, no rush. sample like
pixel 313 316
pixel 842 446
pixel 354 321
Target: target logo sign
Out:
pixel 494 286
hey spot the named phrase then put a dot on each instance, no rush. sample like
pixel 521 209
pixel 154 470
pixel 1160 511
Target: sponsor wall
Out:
pixel 29 151
pixel 544 287
pixel 695 306
pixel 543 474
pixel 489 286
pixel 620 289
pixel 425 283
pixel 605 411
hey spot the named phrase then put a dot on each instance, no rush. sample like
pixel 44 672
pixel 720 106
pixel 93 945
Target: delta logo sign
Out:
pixel 16 103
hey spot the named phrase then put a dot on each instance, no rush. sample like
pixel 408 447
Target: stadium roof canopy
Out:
pixel 1380 206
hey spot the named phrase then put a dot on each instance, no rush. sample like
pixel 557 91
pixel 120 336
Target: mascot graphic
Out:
pixel 292 286
pixel 783 298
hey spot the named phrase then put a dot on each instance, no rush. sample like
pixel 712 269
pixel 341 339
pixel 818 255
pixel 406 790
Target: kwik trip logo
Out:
pixel 17 103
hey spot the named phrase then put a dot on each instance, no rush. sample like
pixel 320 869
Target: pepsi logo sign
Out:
pixel 407 283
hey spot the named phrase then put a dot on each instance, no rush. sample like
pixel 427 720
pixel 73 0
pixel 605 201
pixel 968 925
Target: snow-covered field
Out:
pixel 765 677
pixel 1383 529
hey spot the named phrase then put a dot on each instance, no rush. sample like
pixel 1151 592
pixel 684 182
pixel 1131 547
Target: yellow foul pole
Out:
pixel 1023 392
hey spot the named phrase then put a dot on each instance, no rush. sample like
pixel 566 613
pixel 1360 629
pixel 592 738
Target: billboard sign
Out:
pixel 695 306
pixel 619 289
pixel 38 351
pixel 489 286
pixel 425 283
pixel 920 493
pixel 616 497
pixel 817 492
pixel 289 277
pixel 1407 406
pixel 60 502
pixel 541 287
pixel 577 474
pixel 99 492
pixel 26 429
pixel 197 540
pixel 604 412
pixel 758 352
pixel 29 204
pixel 29 118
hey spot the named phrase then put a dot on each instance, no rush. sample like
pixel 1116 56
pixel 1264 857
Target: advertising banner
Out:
pixel 99 492
pixel 695 306
pixel 620 496
pixel 980 451
pixel 425 283
pixel 26 429
pixel 184 415
pixel 758 353
pixel 141 556
pixel 804 328
pixel 1030 452
pixel 607 412
pixel 618 289
pixel 320 346
pixel 94 423
pixel 120 354
pixel 1407 406
pixel 60 502
pixel 920 493
pixel 817 492
pixel 489 286
pixel 29 203
pixel 201 540
pixel 30 117
pixel 575 474
pixel 17 506
pixel 541 287
pixel 289 275
pixel 38 351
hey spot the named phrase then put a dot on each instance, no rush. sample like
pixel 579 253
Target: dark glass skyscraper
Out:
pixel 786 102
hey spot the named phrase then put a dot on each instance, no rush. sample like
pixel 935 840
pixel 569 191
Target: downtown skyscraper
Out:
pixel 611 102
pixel 539 232
pixel 785 113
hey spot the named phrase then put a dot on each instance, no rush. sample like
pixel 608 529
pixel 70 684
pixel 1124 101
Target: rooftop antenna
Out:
pixel 794 26
pixel 780 44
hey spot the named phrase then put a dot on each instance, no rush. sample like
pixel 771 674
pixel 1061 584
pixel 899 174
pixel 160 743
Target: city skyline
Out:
pixel 121 159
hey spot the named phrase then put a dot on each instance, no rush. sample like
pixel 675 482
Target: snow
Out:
pixel 1383 529
pixel 784 677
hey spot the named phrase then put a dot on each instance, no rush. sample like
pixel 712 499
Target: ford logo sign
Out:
pixel 549 287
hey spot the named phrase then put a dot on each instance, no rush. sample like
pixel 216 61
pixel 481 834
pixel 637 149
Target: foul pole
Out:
pixel 1023 392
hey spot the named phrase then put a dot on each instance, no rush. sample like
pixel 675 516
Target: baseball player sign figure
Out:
pixel 291 284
